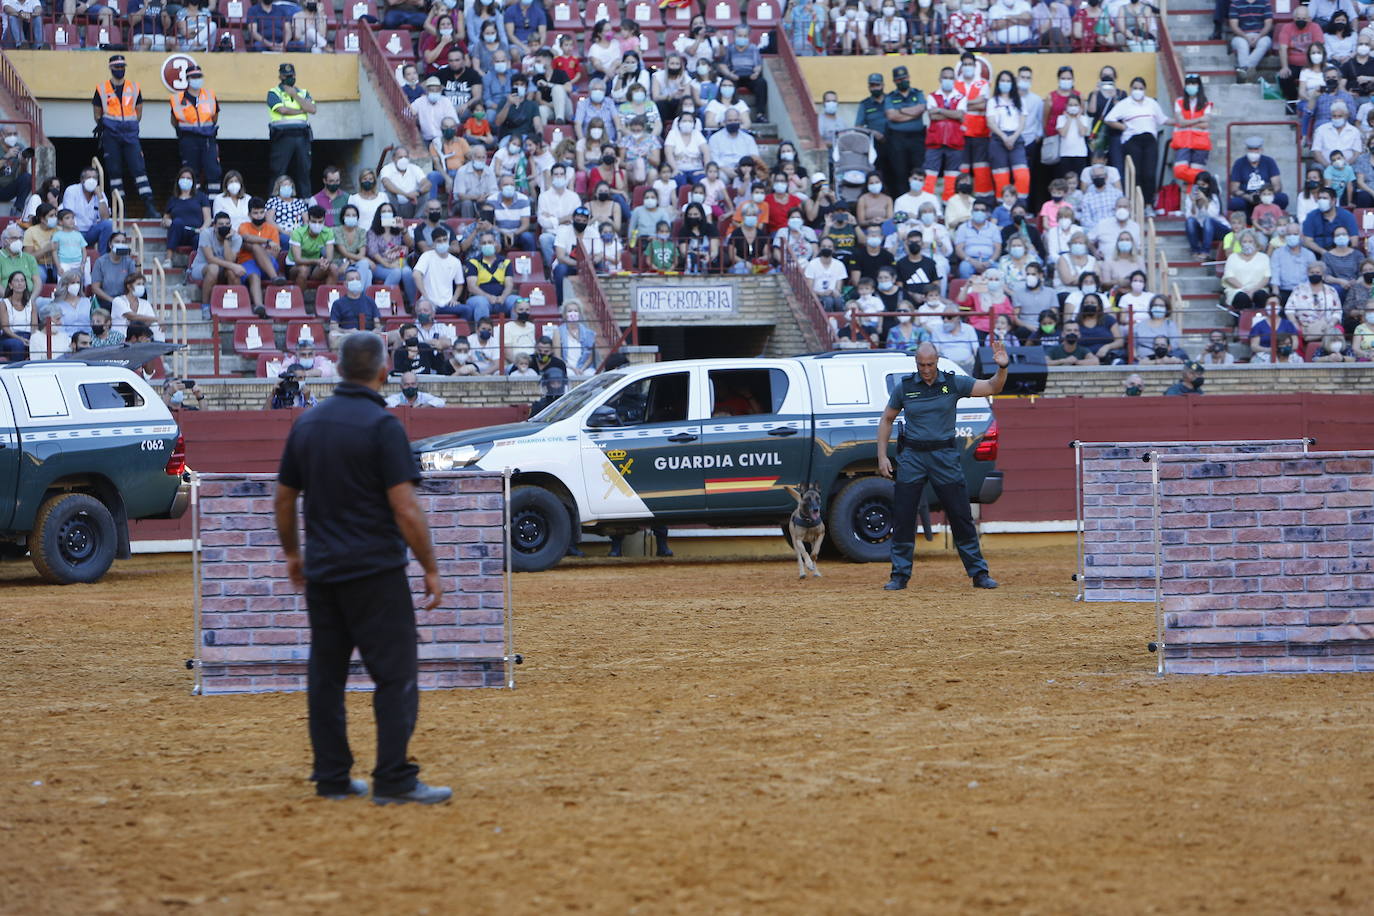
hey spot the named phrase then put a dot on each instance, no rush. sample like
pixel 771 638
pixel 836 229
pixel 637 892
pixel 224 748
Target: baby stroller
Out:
pixel 851 159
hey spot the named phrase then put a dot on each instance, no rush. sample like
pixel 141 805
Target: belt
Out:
pixel 926 445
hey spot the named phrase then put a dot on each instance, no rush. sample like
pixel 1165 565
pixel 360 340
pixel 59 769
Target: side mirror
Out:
pixel 602 417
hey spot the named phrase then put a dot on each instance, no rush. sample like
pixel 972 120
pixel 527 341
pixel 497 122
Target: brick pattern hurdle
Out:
pixel 1118 512
pixel 255 634
pixel 1268 563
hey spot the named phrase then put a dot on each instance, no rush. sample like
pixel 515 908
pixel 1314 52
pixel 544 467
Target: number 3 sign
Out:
pixel 174 71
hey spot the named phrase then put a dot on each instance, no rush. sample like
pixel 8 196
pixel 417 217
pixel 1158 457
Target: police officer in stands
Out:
pixel 118 108
pixel 872 113
pixel 195 118
pixel 928 400
pixel 288 123
pixel 353 463
pixel 905 109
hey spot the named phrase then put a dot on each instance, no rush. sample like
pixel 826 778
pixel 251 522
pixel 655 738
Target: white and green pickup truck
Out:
pixel 710 442
pixel 84 448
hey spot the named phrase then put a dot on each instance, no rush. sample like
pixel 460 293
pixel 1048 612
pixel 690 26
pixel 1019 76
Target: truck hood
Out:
pixel 483 435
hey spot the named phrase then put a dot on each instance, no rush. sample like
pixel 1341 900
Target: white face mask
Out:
pixel 1122 214
pixel 595 133
pixel 875 187
pixel 403 163
pixel 233 188
pixel 1065 85
pixel 794 223
pixel 1157 312
pixel 1023 85
pixel 287 192
pixel 16 245
pixel 1032 281
pixel 90 185
pixel 140 290
pixel 1138 94
pixel 74 289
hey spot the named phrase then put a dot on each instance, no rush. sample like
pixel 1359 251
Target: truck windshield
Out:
pixel 573 401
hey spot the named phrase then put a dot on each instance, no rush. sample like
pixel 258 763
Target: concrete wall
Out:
pixel 1268 563
pixel 255 632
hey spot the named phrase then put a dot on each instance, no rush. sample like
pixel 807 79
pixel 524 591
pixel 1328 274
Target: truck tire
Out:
pixel 540 530
pixel 861 520
pixel 73 539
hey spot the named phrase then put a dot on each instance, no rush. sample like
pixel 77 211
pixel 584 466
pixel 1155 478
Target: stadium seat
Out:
pixel 396 44
pixel 254 337
pixel 763 12
pixel 722 14
pixel 644 12
pixel 347 40
pixel 324 298
pixel 236 11
pixel 284 302
pixel 565 16
pixel 98 36
pixel 1364 221
pixel 388 298
pixel 956 285
pixel 543 300
pixel 528 265
pixel 230 303
pixel 359 11
pixel 270 365
pixel 650 49
pixel 232 40
pixel 312 331
pixel 394 324
pixel 679 17
pixel 1310 353
pixel 598 10
pixel 62 37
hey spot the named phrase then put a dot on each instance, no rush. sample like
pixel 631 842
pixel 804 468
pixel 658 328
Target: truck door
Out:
pixel 641 449
pixel 758 439
pixel 9 460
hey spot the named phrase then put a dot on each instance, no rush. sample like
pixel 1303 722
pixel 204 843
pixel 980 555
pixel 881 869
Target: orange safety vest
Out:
pixel 975 122
pixel 197 117
pixel 1191 138
pixel 122 106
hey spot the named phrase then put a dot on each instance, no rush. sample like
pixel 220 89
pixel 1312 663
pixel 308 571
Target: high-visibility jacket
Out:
pixel 1191 137
pixel 198 115
pixel 975 122
pixel 120 109
pixel 284 111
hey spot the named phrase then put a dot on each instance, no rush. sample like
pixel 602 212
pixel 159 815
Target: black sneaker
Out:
pixel 356 789
pixel 575 551
pixel 420 795
pixel 895 584
pixel 613 552
pixel 983 580
pixel 663 551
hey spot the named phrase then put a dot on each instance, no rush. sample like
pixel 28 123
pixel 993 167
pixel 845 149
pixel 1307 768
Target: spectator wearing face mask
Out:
pixel 308 363
pixel 90 209
pixel 14 258
pixel 474 183
pixel 405 182
pixel 1156 329
pixel 38 241
pixel 1217 352
pixel 1315 305
pixel 985 297
pixel 490 284
pixel 1071 351
pixel 604 249
pixel 512 212
pixel 285 208
pixel 352 311
pixel 431 109
pixel 410 394
pixel 956 341
pixel 1191 381
pixel 1120 262
pixel 519 115
pixel 312 250
pixel 1289 262
pixel 1015 262
pixel 732 143
pixel 111 270
pixel 827 275
pixel 1135 298
pixel 1033 298
pixel 828 123
pixel 102 335
pixel 1342 262
pixel 977 243
pixel 686 151
pixel 1320 226
pixel 439 279
pixel 133 307
pixel 485 348
pixel 597 104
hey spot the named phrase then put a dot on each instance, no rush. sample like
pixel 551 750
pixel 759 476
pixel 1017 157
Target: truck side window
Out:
pixel 658 399
pixel 109 395
pixel 747 392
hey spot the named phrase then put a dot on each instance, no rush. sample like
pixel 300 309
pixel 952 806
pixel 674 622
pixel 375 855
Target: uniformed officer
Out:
pixel 351 459
pixel 928 399
pixel 118 108
pixel 195 118
pixel 1191 383
pixel 905 109
pixel 288 124
pixel 872 113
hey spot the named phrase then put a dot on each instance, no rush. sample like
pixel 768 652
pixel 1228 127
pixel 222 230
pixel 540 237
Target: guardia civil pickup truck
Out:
pixel 713 442
pixel 84 448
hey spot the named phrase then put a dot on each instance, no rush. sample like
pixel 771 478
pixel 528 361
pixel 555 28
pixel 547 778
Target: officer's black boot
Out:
pixel 150 210
pixel 615 546
pixel 662 547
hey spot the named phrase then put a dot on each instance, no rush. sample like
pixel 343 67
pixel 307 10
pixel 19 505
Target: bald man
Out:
pixel 928 400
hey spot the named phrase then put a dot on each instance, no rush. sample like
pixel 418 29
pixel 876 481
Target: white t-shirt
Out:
pixel 407 182
pixel 237 209
pixel 687 151
pixel 442 274
pixel 141 307
pixel 826 280
pixel 1072 143
pixel 1013 34
pixel 367 208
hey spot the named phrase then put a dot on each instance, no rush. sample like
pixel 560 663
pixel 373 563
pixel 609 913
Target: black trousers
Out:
pixel 759 87
pixel 942 470
pixel 121 156
pixel 903 153
pixel 290 156
pixel 375 615
pixel 1144 152
pixel 200 154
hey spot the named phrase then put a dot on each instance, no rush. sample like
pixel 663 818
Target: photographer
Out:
pixel 15 180
pixel 289 393
pixel 182 394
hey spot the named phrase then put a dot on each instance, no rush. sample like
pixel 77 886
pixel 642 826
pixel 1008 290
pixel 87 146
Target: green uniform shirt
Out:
pixel 929 410
pixel 1180 388
pixel 908 99
pixel 872 114
pixel 312 246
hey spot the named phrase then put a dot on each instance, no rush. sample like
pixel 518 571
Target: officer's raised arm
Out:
pixel 986 388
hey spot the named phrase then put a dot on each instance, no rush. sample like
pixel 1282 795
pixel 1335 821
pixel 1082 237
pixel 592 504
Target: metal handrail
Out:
pixel 137 246
pixel 24 101
pixel 407 131
pixel 1173 74
pixel 806 308
pixel 808 136
pixel 179 323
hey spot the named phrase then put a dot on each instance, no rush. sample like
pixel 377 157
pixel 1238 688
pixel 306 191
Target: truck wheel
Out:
pixel 540 530
pixel 73 539
pixel 861 520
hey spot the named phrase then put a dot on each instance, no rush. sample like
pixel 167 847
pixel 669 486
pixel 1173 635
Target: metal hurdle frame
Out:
pixel 1079 444
pixel 509 657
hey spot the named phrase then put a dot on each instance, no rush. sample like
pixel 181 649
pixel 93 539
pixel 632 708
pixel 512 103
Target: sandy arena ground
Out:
pixel 695 737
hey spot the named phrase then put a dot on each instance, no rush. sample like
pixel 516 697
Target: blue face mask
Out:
pixel 946 85
pixel 355 287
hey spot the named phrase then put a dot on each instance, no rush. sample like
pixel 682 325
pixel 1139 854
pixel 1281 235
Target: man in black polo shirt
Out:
pixel 353 462
pixel 870 257
pixel 917 269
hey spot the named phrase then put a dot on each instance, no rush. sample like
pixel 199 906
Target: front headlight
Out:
pixel 450 459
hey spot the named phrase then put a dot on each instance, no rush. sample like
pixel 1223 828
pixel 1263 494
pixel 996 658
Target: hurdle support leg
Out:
pixel 194 663
pixel 1159 564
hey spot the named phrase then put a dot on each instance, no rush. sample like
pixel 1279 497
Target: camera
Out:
pixel 188 383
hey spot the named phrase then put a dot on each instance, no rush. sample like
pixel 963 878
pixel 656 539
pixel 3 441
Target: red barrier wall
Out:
pixel 1034 452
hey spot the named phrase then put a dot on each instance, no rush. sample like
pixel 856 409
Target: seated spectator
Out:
pixel 1255 174
pixel 604 249
pixel 312 250
pixel 1337 134
pixel 1119 263
pixel 1342 262
pixel 1316 306
pixel 1319 229
pixel 1087 285
pixel 518 335
pixel 474 183
pixel 102 335
pixel 476 128
pixel 631 75
pixel 968 28
pixel 728 146
pixel 90 210
pixel 410 83
pixel 490 284
pixel 956 341
pixel 438 277
pixel 827 275
pixel 1155 326
pixel 1217 352
pixel 187 212
pixel 568 246
pixel 1070 351
pixel 1251 24
pixel 1289 260
pixel 905 333
pixel 641 150
pixel 873 206
pixel 109 271
pixel 700 242
pixel 1285 351
pixel 1014 263
pixel 645 218
pixel 1135 300
pixel 352 311
pixel 661 254
pixel 431 109
pixel 405 182
pixel 308 364
pixel 520 115
pixel 261 244
pixel 388 248
pixel 181 394
pixel 1362 339
pixel 13 257
pixel 485 348
pixel 285 209
pixel 1190 381
pixel 130 307
pixel 984 297
pixel 1333 350
pixel 438 336
pixel 410 394
pixel 748 246
pixel 38 241
pixel 461 360
pixel 18 317
pixel 24 24
pixel 1260 328
pixel 575 342
pixel 1322 109
pixel 269 28
pixel 596 104
pixel 1108 230
pixel 1357 293
pixel 1100 332
pixel 1033 298
pixel 216 261
pixel 1340 178
pixel 795 242
pixel 1364 173
pixel 1247 274
pixel 289 393
pixel 350 245
pixel 1009 24
pixel 512 213
pixel 977 242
